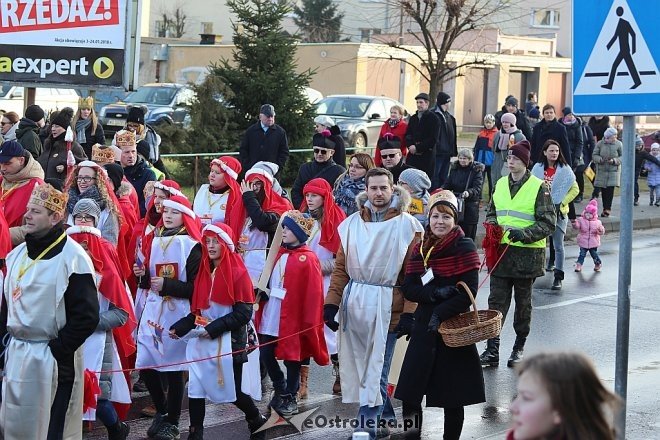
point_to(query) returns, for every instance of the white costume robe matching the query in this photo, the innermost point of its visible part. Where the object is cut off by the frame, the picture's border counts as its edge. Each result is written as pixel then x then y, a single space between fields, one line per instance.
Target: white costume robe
pixel 141 294
pixel 34 319
pixel 253 248
pixel 323 254
pixel 155 347
pixel 375 252
pixel 210 207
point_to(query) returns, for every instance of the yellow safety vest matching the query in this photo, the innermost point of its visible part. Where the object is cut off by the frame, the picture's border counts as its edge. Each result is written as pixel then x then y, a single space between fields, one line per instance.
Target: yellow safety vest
pixel 517 212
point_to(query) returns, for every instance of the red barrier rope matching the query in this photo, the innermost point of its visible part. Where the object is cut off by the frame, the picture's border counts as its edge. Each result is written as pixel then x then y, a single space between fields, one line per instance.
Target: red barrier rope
pixel 494 266
pixel 173 364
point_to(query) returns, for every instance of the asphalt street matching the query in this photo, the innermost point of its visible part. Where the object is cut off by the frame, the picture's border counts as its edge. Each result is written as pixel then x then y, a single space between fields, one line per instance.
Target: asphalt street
pixel 582 316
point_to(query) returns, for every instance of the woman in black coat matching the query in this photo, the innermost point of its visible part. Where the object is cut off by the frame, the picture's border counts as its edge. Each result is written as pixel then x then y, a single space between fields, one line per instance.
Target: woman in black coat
pixel 466 179
pixel 450 378
pixel 549 128
pixel 87 126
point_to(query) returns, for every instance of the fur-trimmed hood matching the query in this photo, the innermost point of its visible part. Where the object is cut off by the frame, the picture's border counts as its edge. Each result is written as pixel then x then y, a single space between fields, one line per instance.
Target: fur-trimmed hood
pixel 401 200
pixel 124 189
pixel 477 166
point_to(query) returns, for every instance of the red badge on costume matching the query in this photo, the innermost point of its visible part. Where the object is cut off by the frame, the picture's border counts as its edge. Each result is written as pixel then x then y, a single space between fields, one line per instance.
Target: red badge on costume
pixel 168 270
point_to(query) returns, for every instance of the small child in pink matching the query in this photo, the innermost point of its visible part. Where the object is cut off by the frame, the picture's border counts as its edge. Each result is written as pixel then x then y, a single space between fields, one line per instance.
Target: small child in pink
pixel 589 231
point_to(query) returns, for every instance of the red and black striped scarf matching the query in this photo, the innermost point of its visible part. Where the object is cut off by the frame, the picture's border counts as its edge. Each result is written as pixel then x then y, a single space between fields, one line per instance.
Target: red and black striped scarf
pixel 450 255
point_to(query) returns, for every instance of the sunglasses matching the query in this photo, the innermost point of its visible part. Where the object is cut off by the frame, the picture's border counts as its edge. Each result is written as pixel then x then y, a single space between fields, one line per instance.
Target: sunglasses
pixel 388 156
pixel 321 152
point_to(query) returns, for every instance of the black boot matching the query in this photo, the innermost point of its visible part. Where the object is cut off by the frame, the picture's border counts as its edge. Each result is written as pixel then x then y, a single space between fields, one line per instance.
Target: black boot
pixel 196 433
pixel 288 405
pixel 412 420
pixel 491 356
pixel 118 431
pixel 515 358
pixel 256 423
pixel 559 277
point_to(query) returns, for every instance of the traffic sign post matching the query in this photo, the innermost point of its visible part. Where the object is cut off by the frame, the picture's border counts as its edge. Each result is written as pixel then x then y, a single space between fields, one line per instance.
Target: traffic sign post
pixel 615 73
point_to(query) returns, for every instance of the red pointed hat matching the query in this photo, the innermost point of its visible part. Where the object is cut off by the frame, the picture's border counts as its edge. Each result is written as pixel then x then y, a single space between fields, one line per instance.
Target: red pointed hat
pixel 229 282
pixel 333 215
pixel 234 214
pixel 273 202
pixel 190 220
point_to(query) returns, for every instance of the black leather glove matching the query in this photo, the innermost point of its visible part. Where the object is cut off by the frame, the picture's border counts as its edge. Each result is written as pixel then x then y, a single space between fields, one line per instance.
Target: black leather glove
pixel 184 325
pixel 434 322
pixel 329 312
pixel 516 235
pixel 405 326
pixel 443 293
pixel 260 295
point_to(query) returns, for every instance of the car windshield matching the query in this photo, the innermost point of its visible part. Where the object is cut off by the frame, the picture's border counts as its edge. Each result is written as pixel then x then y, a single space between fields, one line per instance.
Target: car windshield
pixel 4 90
pixel 343 106
pixel 152 95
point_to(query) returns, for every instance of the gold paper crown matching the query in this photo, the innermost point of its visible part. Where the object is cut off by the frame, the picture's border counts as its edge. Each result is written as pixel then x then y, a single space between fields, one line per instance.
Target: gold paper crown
pixel 48 197
pixel 445 196
pixel 86 103
pixel 125 138
pixel 305 222
pixel 103 155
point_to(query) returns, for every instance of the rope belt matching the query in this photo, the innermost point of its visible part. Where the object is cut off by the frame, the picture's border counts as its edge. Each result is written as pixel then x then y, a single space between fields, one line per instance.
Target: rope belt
pixel 347 294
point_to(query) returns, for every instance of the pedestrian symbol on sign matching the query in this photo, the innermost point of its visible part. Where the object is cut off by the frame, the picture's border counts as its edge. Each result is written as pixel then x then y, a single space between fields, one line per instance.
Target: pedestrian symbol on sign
pixel 621 55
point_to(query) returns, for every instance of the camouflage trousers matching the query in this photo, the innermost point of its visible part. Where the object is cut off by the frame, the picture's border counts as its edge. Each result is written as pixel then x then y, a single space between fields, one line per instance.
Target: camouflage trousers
pixel 501 291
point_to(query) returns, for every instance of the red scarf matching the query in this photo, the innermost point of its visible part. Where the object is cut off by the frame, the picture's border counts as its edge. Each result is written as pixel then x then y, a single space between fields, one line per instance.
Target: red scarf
pixel 229 283
pixel 333 215
pixel 106 263
pixel 447 256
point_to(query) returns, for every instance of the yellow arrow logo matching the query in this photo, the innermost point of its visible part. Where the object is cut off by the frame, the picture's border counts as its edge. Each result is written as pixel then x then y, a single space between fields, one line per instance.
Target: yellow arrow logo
pixel 104 67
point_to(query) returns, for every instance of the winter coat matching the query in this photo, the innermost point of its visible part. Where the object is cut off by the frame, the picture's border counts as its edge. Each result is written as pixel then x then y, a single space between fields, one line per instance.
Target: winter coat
pixel 55 154
pixel 598 126
pixel 112 318
pixel 521 121
pixel 607 174
pixel 340 277
pixel 328 171
pixel 545 130
pixel 589 232
pixel 340 146
pixel 470 179
pixel 397 169
pixel 399 131
pixel 98 137
pixel 563 189
pixel 499 167
pixel 27 134
pixel 446 145
pixel 483 146
pixel 270 146
pixel 589 142
pixel 423 134
pixel 448 377
pixel 653 178
pixel 576 142
pixel 138 175
pixel 640 157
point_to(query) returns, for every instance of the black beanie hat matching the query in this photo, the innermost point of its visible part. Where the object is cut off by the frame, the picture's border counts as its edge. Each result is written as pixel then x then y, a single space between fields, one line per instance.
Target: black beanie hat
pixel 34 113
pixel 63 118
pixel 135 114
pixel 143 149
pixel 389 142
pixel 115 174
pixel 443 98
pixel 323 140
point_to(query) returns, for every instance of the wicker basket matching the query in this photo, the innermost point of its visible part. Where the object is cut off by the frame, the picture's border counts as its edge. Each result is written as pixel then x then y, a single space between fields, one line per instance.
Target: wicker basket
pixel 470 327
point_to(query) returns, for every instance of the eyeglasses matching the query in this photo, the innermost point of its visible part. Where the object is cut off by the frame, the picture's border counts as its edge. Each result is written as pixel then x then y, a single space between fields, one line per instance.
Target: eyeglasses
pixel 356 167
pixel 83 218
pixel 389 156
pixel 86 179
pixel 321 152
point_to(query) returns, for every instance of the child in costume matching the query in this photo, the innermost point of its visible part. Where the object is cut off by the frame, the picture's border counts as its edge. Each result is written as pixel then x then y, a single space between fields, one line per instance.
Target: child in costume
pixel 219 323
pixel 171 264
pixel 291 310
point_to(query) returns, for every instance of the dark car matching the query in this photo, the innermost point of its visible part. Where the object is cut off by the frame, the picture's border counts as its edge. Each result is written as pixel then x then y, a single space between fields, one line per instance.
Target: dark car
pixel 359 117
pixel 166 104
pixel 104 97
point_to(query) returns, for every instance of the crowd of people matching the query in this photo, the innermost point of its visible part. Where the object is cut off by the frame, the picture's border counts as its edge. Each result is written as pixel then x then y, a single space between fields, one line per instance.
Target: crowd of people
pixel 110 268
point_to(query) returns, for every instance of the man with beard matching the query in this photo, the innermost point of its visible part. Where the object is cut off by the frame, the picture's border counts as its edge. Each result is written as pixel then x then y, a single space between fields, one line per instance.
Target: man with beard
pixel 375 244
pixel 421 137
pixel 50 308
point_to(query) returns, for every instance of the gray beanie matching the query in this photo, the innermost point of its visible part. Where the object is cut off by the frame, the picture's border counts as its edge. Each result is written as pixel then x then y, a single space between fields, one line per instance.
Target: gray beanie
pixel 87 207
pixel 417 180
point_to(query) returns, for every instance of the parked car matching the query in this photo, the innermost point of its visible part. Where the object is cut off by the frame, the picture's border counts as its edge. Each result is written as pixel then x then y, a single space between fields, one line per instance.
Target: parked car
pixel 49 99
pixel 313 95
pixel 104 97
pixel 359 117
pixel 166 103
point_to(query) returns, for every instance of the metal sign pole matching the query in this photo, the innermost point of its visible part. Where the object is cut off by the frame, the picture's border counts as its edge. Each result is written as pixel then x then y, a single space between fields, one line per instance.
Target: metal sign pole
pixel 625 259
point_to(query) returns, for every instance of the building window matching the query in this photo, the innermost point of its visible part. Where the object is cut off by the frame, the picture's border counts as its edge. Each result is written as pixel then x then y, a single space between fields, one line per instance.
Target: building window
pixel 365 34
pixel 545 18
pixel 207 27
pixel 160 29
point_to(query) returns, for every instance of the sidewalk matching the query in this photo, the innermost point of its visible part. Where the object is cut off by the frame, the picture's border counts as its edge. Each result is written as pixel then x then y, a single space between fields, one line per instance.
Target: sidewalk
pixel 644 217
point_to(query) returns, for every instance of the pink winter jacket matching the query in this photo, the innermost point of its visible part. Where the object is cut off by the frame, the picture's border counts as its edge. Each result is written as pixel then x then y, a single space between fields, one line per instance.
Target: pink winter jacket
pixel 589 232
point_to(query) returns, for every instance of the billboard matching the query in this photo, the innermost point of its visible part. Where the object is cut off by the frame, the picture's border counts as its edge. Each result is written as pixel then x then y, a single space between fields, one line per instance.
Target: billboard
pixel 67 42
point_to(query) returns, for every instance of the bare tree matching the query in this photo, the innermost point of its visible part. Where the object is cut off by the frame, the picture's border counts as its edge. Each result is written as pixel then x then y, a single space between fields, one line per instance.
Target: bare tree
pixel 436 26
pixel 173 21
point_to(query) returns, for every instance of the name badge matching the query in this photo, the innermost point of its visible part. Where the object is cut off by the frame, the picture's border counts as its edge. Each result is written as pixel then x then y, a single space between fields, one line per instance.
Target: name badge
pixel 201 321
pixel 427 277
pixel 277 292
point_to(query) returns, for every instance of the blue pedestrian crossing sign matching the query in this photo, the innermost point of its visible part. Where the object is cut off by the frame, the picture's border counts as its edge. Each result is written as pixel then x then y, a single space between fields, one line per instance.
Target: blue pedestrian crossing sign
pixel 616 53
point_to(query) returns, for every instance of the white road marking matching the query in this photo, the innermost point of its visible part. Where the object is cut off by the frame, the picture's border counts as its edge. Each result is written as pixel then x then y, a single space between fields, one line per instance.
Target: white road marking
pixel 577 300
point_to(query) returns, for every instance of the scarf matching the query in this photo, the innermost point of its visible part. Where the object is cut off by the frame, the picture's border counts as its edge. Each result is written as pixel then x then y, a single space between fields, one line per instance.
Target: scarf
pixel 561 181
pixel 332 214
pixel 346 191
pixel 503 141
pixel 448 256
pixel 31 170
pixel 81 127
pixel 90 193
pixel 393 122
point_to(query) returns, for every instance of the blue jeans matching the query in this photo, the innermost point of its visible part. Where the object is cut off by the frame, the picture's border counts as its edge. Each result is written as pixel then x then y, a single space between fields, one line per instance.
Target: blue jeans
pixel 593 252
pixel 106 412
pixel 558 242
pixel 441 171
pixel 384 411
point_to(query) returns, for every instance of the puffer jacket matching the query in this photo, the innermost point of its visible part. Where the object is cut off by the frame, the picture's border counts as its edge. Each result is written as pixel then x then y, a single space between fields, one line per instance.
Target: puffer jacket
pixel 653 178
pixel 589 231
